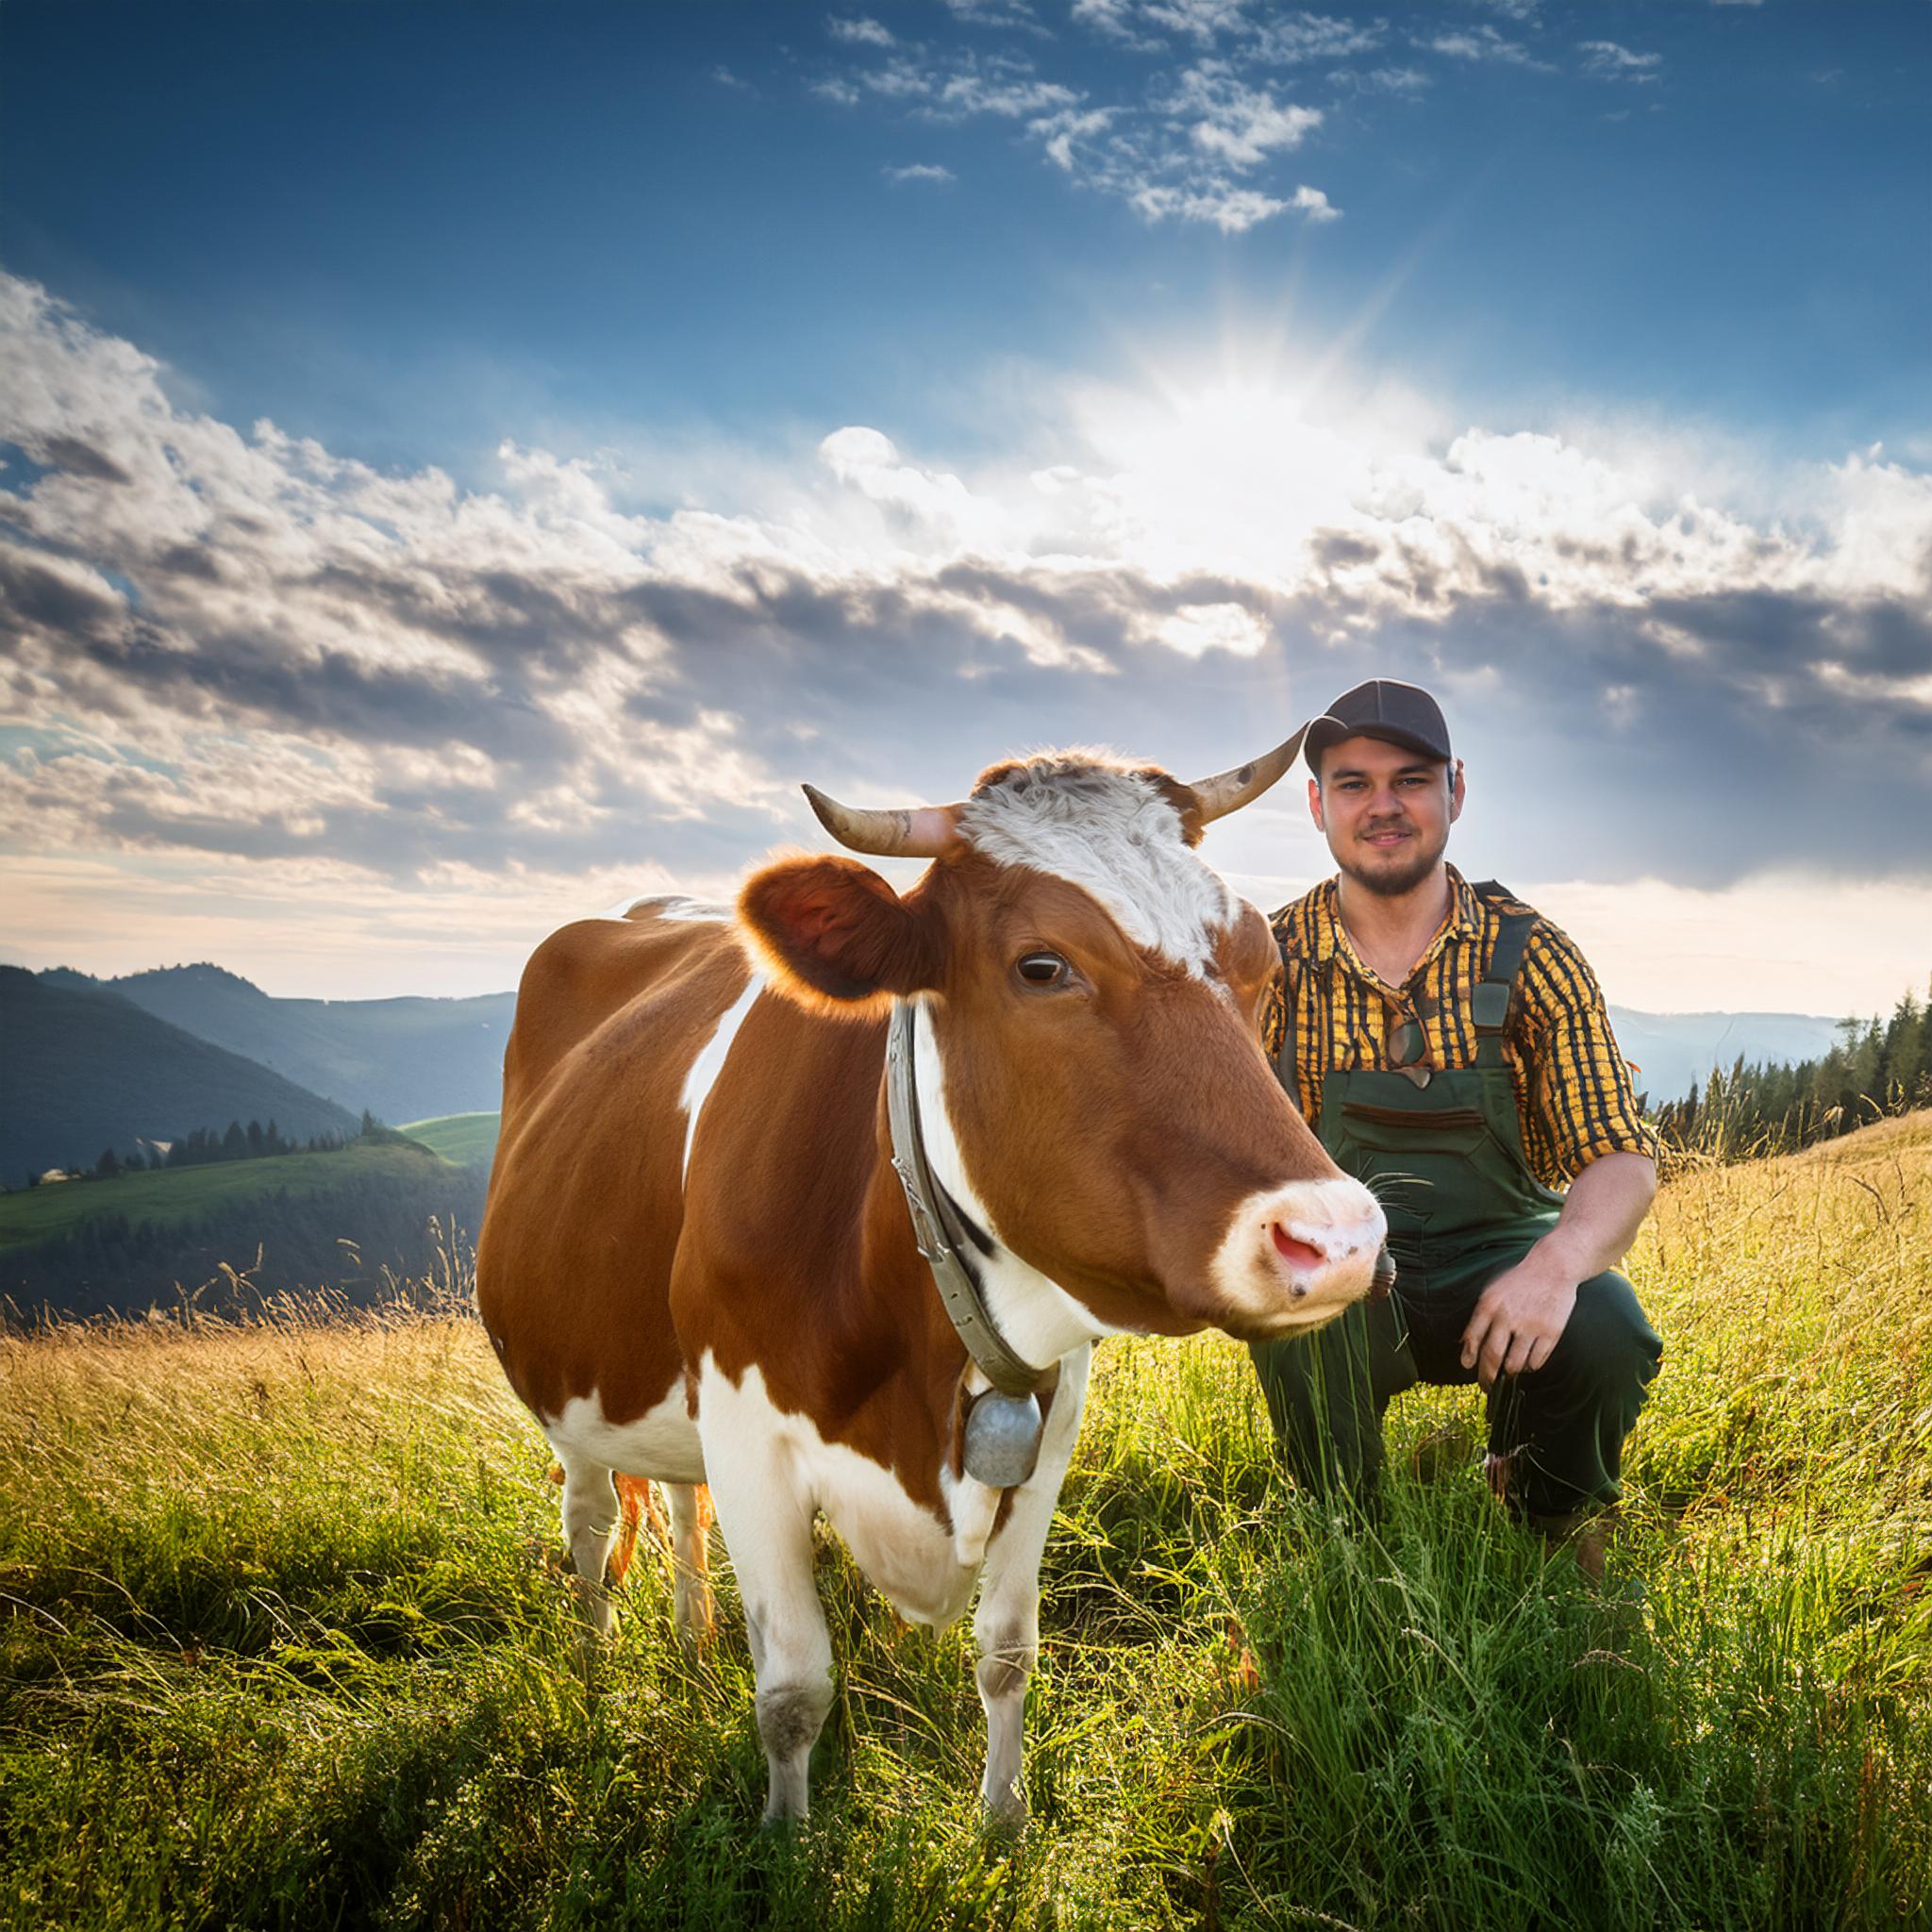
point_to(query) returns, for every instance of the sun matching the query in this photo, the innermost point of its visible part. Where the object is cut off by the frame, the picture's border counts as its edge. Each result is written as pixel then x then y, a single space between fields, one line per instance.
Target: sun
pixel 1227 470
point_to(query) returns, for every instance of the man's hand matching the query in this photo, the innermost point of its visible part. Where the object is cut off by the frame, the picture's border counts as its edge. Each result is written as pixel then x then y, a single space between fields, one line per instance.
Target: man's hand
pixel 1519 1319
pixel 1522 1313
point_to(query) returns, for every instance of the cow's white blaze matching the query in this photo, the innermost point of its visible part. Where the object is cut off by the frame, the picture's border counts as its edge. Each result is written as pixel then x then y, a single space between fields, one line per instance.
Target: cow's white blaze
pixel 710 1063
pixel 1039 1320
pixel 1114 835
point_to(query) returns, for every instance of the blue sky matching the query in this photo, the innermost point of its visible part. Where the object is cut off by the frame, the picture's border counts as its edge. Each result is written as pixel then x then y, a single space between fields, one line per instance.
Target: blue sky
pixel 440 404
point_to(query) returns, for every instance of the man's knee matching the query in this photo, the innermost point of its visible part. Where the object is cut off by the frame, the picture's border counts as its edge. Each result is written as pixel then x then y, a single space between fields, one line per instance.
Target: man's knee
pixel 1607 1341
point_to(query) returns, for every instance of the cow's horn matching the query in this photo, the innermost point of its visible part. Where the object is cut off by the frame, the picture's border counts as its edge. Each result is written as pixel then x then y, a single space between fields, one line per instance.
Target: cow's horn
pixel 923 831
pixel 1229 791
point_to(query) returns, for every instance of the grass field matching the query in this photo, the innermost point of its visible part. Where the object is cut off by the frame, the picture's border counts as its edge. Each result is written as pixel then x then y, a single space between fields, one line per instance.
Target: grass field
pixel 185 1193
pixel 466 1139
pixel 286 1645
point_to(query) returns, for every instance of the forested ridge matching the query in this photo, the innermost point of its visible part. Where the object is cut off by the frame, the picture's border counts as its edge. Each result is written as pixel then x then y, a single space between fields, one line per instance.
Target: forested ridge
pixel 354 1218
pixel 1877 1066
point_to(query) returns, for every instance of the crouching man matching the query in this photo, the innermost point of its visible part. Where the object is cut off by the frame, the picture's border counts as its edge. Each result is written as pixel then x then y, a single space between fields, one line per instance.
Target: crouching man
pixel 1452 1050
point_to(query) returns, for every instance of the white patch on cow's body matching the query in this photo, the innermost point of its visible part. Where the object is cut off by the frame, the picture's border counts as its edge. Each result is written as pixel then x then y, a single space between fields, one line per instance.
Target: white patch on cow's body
pixel 662 1442
pixel 710 1063
pixel 674 907
pixel 905 1549
pixel 1039 1319
pixel 1113 834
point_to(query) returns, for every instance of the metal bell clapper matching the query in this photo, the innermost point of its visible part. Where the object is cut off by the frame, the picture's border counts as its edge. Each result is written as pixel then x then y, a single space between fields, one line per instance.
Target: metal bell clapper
pixel 1001 1442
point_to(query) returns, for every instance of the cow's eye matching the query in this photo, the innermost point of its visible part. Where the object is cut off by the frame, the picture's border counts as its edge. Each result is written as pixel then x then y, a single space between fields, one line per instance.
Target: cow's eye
pixel 1044 969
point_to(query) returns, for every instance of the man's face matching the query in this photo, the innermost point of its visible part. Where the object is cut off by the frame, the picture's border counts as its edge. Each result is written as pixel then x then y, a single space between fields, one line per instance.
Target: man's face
pixel 1386 810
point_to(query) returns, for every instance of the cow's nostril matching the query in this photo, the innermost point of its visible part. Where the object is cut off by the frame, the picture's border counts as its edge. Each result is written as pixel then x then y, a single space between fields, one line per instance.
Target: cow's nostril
pixel 1298 1253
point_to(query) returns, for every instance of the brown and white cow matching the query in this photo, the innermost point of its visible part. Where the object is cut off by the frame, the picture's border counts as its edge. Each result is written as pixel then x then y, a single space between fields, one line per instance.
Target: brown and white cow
pixel 698 1264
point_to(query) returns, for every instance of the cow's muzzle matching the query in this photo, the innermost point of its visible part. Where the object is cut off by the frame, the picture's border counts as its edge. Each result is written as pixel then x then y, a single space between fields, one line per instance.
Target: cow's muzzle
pixel 1294 1257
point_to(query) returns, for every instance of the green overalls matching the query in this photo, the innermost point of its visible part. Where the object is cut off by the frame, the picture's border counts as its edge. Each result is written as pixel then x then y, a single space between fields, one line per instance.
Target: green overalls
pixel 1445 1160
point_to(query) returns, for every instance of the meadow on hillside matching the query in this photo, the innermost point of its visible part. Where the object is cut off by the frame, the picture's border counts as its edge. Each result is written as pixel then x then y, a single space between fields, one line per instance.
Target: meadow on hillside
pixel 285 1645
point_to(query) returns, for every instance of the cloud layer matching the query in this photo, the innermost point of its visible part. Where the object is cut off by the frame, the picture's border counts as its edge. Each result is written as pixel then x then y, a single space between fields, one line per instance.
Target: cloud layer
pixel 241 647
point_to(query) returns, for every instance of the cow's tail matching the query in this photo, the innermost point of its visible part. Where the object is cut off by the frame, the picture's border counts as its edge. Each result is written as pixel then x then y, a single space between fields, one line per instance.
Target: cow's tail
pixel 638 1499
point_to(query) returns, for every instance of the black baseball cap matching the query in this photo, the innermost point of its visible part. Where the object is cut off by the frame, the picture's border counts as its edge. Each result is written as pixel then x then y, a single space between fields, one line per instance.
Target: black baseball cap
pixel 1398 713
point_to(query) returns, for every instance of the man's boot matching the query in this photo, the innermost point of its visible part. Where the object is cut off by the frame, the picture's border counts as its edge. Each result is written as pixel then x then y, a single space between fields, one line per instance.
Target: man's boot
pixel 1586 1533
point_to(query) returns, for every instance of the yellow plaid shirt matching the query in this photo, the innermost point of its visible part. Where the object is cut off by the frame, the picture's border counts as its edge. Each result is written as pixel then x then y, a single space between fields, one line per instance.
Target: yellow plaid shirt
pixel 1574 1095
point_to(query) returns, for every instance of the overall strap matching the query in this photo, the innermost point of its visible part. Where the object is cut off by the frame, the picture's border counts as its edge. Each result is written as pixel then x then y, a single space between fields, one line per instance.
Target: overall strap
pixel 1495 995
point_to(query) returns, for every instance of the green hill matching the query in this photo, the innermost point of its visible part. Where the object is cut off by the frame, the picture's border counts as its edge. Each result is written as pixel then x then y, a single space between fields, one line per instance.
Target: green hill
pixel 402 1058
pixel 81 1070
pixel 469 1139
pixel 353 1221
pixel 186 1193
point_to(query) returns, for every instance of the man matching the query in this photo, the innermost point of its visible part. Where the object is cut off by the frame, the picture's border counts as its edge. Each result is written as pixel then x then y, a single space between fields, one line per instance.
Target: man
pixel 1452 1050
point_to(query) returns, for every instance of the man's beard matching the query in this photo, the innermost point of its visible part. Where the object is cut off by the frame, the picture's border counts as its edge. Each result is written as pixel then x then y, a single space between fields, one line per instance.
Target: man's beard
pixel 1406 878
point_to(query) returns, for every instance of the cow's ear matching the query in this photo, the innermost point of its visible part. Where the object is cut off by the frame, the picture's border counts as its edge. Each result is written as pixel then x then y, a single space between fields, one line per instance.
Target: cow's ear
pixel 835 936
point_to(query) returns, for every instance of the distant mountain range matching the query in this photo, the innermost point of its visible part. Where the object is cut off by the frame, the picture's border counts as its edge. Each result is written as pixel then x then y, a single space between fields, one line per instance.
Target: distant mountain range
pixel 404 1059
pixel 90 1063
pixel 1671 1050
pixel 82 1071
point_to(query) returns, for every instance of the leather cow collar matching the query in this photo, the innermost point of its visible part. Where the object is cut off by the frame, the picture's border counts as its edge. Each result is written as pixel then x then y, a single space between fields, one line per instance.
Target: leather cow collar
pixel 1003 1422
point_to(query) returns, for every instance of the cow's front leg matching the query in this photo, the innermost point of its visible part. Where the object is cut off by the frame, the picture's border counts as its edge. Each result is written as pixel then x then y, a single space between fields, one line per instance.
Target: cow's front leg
pixel 767 1524
pixel 1006 1623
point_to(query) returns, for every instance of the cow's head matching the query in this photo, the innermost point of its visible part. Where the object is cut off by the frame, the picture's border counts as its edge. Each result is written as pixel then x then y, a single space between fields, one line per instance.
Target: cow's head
pixel 1092 1079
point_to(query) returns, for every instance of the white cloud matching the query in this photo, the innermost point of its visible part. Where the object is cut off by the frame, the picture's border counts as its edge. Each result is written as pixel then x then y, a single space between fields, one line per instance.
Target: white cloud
pixel 1267 34
pixel 1010 95
pixel 1606 61
pixel 859 32
pixel 1009 14
pixel 1233 210
pixel 1176 154
pixel 1113 20
pixel 1198 20
pixel 1402 81
pixel 1481 44
pixel 1288 39
pixel 1239 125
pixel 920 171
pixel 899 79
pixel 1061 133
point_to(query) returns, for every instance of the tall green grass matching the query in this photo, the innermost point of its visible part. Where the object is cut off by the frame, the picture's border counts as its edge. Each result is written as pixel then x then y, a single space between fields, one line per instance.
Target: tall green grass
pixel 285 1644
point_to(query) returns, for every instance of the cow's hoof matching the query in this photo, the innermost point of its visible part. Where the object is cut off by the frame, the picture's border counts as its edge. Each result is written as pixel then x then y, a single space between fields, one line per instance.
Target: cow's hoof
pixel 1004 1813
